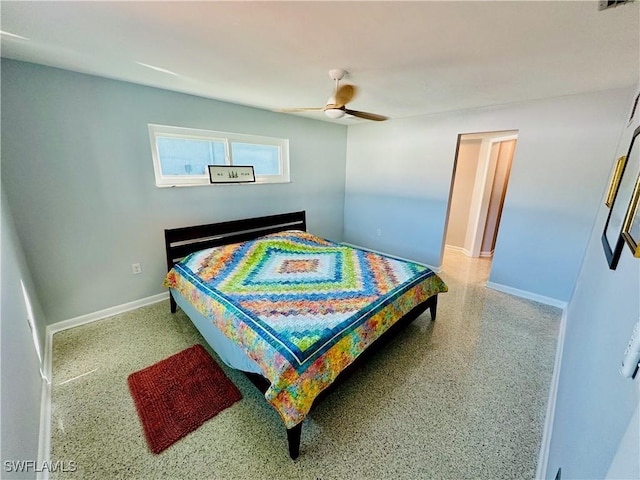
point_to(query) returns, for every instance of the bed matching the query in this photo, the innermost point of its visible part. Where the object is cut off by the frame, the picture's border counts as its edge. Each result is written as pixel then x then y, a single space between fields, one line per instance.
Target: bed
pixel 295 312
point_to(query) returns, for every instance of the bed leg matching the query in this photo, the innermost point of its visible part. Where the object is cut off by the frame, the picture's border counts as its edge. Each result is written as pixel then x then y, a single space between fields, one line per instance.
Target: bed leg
pixel 293 437
pixel 433 307
pixel 174 305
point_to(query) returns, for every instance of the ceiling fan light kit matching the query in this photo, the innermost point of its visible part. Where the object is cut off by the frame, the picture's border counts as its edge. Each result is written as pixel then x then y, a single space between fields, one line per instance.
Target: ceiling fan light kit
pixel 335 107
pixel 334 112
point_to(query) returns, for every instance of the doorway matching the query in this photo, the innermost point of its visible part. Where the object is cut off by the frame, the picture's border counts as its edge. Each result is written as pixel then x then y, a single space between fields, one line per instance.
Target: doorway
pixel 478 189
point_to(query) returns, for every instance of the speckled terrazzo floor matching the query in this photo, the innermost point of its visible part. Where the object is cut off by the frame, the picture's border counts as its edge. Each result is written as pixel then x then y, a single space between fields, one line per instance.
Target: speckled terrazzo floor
pixel 464 397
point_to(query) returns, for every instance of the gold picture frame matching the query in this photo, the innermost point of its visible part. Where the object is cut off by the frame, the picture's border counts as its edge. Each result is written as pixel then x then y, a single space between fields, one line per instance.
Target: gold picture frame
pixel 615 180
pixel 631 225
pixel 626 190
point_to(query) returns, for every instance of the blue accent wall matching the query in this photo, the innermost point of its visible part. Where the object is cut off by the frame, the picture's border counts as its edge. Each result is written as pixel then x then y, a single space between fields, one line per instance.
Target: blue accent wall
pixel 21 381
pixel 399 175
pixel 595 405
pixel 78 174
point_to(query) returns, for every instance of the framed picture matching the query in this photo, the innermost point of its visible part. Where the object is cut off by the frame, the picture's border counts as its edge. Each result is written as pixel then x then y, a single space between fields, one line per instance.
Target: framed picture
pixel 621 202
pixel 615 180
pixel 231 174
pixel 631 226
pixel 634 108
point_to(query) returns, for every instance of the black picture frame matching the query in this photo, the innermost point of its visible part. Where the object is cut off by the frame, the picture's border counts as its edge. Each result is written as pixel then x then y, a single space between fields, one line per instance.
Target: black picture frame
pixel 612 238
pixel 220 174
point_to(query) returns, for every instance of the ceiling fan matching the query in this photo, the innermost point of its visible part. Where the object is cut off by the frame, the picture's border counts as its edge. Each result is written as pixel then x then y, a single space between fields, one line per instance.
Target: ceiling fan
pixel 336 105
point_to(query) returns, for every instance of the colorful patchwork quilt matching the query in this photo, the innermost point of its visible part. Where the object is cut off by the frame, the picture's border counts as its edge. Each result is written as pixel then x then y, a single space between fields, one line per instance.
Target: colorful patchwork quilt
pixel 303 308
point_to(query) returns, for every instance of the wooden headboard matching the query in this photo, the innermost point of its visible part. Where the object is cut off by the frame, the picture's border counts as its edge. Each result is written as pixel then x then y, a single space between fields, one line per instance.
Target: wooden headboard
pixel 180 242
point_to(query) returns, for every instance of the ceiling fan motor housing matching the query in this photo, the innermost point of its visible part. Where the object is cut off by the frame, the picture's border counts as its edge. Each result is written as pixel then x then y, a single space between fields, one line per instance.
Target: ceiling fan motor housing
pixel 337 73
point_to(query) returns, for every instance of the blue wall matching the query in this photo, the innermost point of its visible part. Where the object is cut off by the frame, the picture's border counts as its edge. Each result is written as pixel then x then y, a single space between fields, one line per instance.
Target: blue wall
pixel 21 381
pixel 399 175
pixel 77 170
pixel 595 405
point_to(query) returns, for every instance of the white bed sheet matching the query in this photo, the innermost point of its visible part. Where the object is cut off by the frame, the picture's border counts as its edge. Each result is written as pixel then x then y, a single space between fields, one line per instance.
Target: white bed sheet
pixel 229 352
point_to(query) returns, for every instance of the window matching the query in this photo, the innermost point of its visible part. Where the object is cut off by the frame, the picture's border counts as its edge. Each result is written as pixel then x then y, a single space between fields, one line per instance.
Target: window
pixel 181 155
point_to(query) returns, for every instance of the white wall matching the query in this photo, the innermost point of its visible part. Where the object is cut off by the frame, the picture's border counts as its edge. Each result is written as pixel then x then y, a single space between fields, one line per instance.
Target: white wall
pixel 595 406
pixel 77 167
pixel 462 196
pixel 399 176
pixel 20 386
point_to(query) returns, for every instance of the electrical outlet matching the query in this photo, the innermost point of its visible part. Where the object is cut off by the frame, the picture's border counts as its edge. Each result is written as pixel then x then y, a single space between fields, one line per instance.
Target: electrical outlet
pixel 136 268
pixel 379 232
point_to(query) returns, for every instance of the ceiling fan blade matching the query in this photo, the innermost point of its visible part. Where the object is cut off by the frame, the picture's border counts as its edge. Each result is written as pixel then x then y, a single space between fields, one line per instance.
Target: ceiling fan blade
pixel 345 94
pixel 368 116
pixel 310 109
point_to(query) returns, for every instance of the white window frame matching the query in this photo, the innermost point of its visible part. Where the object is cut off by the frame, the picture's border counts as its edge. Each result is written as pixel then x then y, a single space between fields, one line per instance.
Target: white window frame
pixel 227 138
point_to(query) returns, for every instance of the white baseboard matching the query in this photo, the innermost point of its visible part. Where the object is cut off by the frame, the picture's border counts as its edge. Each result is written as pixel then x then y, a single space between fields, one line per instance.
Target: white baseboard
pixel 92 317
pixel 44 438
pixel 462 250
pixel 44 442
pixel 543 455
pixel 554 302
pixel 468 253
pixel 107 312
pixel 454 248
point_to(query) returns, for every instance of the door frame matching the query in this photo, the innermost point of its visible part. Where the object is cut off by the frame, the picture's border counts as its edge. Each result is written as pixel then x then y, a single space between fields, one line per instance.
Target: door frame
pixel 481 196
pixel 480 199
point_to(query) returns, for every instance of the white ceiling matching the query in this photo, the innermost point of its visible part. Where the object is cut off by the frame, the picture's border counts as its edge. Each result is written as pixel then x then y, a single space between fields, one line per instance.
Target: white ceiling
pixel 408 58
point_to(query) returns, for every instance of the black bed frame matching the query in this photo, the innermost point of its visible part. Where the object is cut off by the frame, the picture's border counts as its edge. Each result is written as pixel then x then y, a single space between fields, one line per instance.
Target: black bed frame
pixel 180 242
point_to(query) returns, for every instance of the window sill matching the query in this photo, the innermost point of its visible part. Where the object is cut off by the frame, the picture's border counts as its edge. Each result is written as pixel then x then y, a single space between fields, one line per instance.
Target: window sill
pixel 223 184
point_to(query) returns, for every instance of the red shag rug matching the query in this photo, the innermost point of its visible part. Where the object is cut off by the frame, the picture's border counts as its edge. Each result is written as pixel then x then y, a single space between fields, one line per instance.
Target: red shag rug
pixel 178 394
